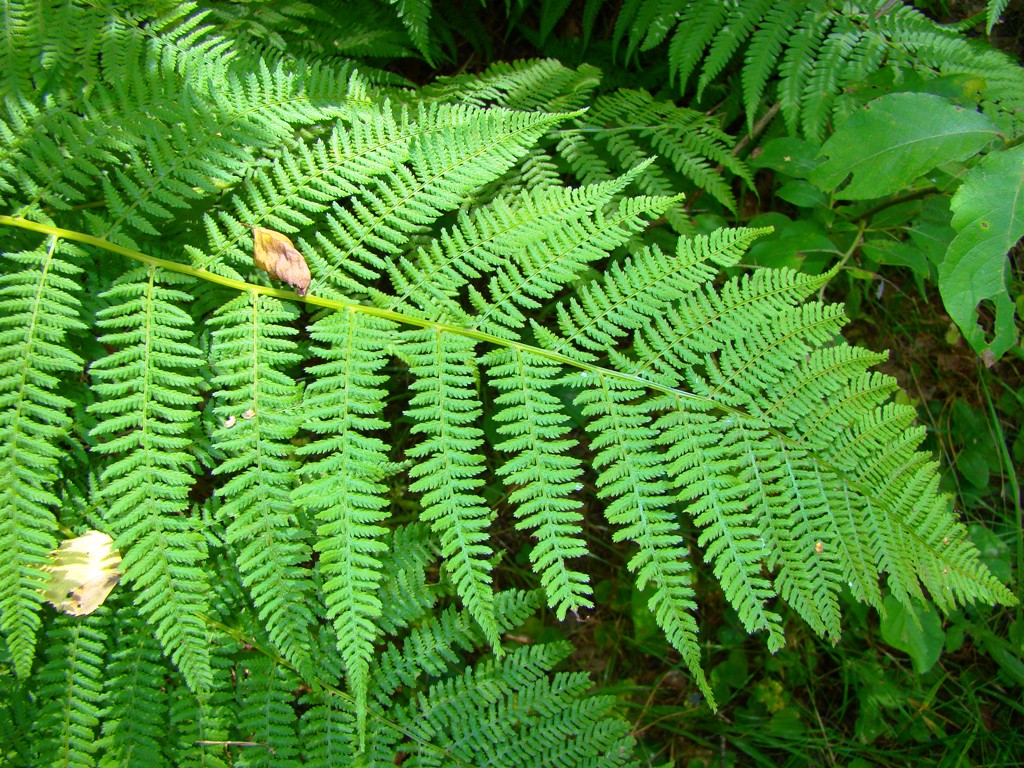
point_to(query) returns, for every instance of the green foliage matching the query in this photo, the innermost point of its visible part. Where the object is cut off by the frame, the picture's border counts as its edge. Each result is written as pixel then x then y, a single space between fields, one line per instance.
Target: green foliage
pixel 252 349
pixel 499 328
pixel 810 55
pixel 894 140
pixel 685 149
pixel 986 216
pixel 897 139
pixel 38 307
pixel 145 407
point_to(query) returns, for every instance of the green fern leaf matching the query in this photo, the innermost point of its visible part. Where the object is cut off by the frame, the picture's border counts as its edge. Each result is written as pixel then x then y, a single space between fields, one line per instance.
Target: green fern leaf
pixel 327 730
pixel 511 689
pixel 529 85
pixel 343 484
pixel 146 396
pixel 411 551
pixel 38 309
pixel 697 27
pixel 455 151
pixel 432 646
pixel 543 472
pixel 995 10
pixel 641 287
pixel 70 694
pixel 300 186
pixel 542 270
pixel 618 132
pixel 136 698
pixel 199 726
pixel 631 478
pixel 266 714
pixel 482 241
pixel 449 465
pixel 258 411
pixel 415 16
pixel 818 50
pixel 798 63
pixel 762 55
pixel 743 19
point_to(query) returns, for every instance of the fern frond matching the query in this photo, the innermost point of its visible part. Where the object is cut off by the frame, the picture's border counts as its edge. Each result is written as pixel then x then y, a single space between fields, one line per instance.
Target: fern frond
pixel 457 150
pixel 701 21
pixel 798 63
pixel 638 289
pixel 46 47
pixel 721 417
pixel 217 146
pixel 266 715
pixel 327 726
pixel 632 478
pixel 39 307
pixel 327 730
pixel 542 269
pixel 762 56
pixel 342 483
pixel 543 472
pixel 432 647
pixel 483 241
pixel 528 85
pixel 447 473
pixel 257 406
pixel 511 713
pixel 136 698
pixel 819 97
pixel 70 695
pixel 692 147
pixel 300 186
pixel 147 391
pixel 994 11
pixel 743 21
pixel 199 725
pixel 619 130
pixel 527 716
pixel 186 144
pixel 415 16
pixel 816 48
pixel 411 550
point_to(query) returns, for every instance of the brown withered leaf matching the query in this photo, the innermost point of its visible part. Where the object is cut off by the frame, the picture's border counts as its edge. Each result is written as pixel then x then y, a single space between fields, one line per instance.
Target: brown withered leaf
pixel 276 254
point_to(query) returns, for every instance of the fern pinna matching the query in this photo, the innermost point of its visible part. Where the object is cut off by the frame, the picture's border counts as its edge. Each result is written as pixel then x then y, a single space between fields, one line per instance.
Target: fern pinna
pixel 253 453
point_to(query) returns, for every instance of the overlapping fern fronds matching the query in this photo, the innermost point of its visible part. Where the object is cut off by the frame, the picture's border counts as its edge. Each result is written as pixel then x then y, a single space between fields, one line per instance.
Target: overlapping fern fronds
pixel 251 454
pixel 681 149
pixel 816 49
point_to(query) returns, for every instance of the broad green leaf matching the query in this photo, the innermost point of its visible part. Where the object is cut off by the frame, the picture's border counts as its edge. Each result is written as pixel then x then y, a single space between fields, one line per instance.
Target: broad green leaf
pixel 988 215
pixel 786 154
pixel 894 140
pixel 801 194
pixel 896 254
pixel 916 632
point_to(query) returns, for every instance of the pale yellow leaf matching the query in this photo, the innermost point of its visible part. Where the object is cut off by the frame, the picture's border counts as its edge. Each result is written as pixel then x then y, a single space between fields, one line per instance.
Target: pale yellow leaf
pixel 83 572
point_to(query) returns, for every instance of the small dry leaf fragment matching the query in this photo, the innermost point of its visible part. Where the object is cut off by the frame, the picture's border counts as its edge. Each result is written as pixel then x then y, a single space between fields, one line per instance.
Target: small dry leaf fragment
pixel 83 571
pixel 819 547
pixel 249 414
pixel 276 254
